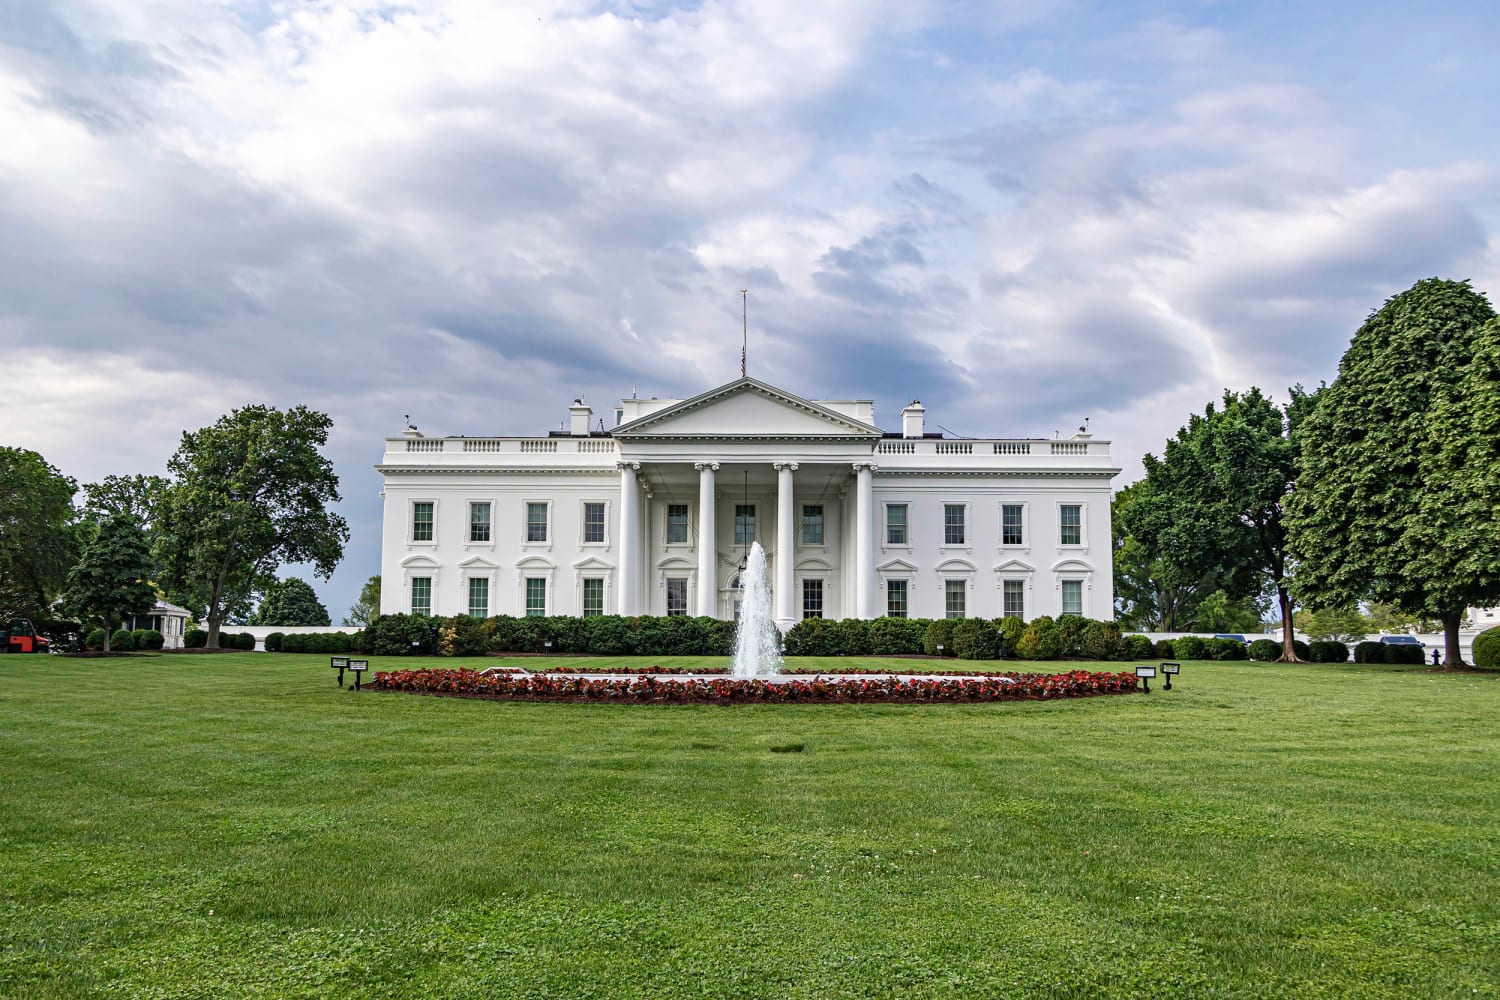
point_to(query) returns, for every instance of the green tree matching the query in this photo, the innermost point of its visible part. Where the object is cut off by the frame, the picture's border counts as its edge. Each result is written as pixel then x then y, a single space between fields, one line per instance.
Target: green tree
pixel 247 494
pixel 1152 591
pixel 111 579
pixel 1339 625
pixel 38 537
pixel 367 610
pixel 1384 508
pixel 137 497
pixel 1387 616
pixel 1218 612
pixel 290 602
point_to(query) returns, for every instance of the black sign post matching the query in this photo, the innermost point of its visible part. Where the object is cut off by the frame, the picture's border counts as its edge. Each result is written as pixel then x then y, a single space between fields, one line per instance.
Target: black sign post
pixel 1145 674
pixel 1170 670
pixel 358 667
pixel 339 663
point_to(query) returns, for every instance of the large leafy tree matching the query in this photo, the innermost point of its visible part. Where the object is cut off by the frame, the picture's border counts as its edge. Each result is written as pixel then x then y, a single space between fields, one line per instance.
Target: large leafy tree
pixel 1389 503
pixel 246 495
pixel 1153 592
pixel 38 538
pixel 111 579
pixel 290 602
pixel 368 609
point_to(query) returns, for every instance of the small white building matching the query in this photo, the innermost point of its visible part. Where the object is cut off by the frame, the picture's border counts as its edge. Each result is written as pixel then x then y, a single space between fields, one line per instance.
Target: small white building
pixel 656 515
pixel 168 619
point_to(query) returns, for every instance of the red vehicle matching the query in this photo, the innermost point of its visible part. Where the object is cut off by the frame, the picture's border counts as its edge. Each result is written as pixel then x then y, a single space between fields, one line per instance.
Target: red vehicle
pixel 20 637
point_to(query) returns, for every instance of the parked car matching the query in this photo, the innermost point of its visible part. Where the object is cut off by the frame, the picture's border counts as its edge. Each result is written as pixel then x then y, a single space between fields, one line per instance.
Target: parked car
pixel 1231 635
pixel 1403 640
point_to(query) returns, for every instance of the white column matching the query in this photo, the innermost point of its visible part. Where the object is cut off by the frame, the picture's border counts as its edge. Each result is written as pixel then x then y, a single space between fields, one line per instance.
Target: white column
pixel 864 540
pixel 708 567
pixel 785 525
pixel 630 537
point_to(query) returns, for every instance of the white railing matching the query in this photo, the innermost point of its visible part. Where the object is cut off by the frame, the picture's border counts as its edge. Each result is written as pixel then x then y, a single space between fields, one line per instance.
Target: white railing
pixel 424 444
pixel 483 444
pixel 1012 447
pixel 955 447
pixel 1070 447
pixel 538 446
pixel 896 448
pixel 595 446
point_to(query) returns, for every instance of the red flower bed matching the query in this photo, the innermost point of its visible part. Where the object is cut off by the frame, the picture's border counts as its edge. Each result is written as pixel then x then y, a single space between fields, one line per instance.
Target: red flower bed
pixel 468 683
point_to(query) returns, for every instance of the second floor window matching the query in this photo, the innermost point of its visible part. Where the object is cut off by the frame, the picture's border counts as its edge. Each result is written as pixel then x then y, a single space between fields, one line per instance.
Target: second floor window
pixel 1072 524
pixel 953 524
pixel 479 522
pixel 812 525
pixel 536 522
pixel 744 523
pixel 895 524
pixel 677 522
pixel 421 522
pixel 1010 525
pixel 593 522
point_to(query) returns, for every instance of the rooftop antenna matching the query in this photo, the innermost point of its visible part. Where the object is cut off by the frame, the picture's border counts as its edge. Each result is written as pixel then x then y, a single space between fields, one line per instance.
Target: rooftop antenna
pixel 744 328
pixel 632 392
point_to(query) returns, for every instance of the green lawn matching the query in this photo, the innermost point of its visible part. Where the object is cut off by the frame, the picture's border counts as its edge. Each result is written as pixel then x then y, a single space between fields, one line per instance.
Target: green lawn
pixel 238 826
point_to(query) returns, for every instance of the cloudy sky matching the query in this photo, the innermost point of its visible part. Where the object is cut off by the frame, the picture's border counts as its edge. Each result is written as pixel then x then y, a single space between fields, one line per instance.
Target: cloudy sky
pixel 472 211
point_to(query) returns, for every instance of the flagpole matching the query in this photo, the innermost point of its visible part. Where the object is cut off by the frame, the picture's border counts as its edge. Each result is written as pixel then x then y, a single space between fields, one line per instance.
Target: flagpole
pixel 744 326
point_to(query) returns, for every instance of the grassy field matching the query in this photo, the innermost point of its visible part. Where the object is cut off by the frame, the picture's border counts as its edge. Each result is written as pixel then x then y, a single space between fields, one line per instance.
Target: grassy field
pixel 238 826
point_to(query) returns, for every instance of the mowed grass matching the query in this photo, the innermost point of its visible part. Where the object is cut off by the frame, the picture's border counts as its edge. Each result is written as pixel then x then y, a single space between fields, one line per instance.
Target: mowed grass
pixel 238 826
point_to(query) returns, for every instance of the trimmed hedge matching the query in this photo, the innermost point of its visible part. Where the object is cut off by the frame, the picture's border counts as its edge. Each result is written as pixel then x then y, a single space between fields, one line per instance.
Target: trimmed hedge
pixel 1265 650
pixel 897 636
pixel 1163 649
pixel 976 639
pixel 1487 648
pixel 1100 640
pixel 274 641
pixel 1328 651
pixel 1190 647
pixel 1410 655
pixel 317 642
pixel 121 641
pixel 939 633
pixel 148 638
pixel 1369 652
pixel 196 638
pixel 94 640
pixel 1138 647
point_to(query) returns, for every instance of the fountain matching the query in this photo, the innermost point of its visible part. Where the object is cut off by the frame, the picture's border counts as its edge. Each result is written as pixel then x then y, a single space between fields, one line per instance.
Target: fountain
pixel 757 642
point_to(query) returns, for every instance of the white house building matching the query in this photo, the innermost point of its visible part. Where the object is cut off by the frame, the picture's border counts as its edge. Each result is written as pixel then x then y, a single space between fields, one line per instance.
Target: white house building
pixel 656 515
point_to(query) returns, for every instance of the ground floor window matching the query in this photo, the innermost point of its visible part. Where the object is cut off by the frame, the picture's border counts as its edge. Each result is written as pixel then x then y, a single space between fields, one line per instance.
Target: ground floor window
pixel 536 596
pixel 479 597
pixel 676 596
pixel 593 597
pixel 895 598
pixel 421 595
pixel 812 598
pixel 1072 597
pixel 1015 599
pixel 955 594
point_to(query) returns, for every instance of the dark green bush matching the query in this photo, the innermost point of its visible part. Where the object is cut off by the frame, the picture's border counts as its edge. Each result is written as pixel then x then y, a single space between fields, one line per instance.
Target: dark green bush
pixel 1099 640
pixel 1369 652
pixel 812 637
pixel 1136 647
pixel 939 633
pixel 975 639
pixel 1327 651
pixel 242 640
pixel 1190 647
pixel 149 638
pixel 603 635
pixel 1404 654
pixel 274 641
pixel 1049 645
pixel 1303 651
pixel 462 635
pixel 1011 630
pixel 1487 648
pixel 1226 649
pixel 195 638
pixel 121 641
pixel 1070 629
pixel 296 642
pixel 1265 650
pixel 1164 650
pixel 718 636
pixel 94 640
pixel 896 636
pixel 853 636
pixel 393 635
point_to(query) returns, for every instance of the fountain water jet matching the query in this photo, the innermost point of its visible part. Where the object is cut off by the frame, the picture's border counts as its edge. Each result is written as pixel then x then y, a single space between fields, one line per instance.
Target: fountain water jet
pixel 757 642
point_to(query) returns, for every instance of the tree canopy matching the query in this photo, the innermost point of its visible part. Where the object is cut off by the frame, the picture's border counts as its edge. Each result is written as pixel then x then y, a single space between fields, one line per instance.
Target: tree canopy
pixel 290 602
pixel 111 579
pixel 1387 506
pixel 368 608
pixel 38 541
pixel 246 495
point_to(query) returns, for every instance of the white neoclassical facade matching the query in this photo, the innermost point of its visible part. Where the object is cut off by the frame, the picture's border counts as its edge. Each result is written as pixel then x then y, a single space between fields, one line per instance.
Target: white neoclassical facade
pixel 656 515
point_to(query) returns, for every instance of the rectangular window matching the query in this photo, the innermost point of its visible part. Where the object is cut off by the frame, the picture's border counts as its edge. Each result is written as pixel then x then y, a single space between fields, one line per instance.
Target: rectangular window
pixel 677 522
pixel 812 525
pixel 479 597
pixel 1072 595
pixel 744 523
pixel 955 593
pixel 953 525
pixel 1015 599
pixel 536 522
pixel 676 596
pixel 895 598
pixel 593 523
pixel 421 595
pixel 895 524
pixel 593 597
pixel 812 598
pixel 536 596
pixel 1072 524
pixel 1010 525
pixel 479 522
pixel 421 522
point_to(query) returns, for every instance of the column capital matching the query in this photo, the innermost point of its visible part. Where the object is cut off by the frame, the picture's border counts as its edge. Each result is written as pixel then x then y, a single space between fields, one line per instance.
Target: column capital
pixel 711 466
pixel 862 466
pixel 781 466
pixel 632 466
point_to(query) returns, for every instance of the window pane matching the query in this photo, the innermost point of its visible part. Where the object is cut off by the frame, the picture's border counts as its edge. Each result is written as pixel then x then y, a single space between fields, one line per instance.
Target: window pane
pixel 895 598
pixel 677 522
pixel 1072 524
pixel 593 522
pixel 955 591
pixel 744 523
pixel 536 522
pixel 479 522
pixel 677 596
pixel 812 525
pixel 1010 524
pixel 593 597
pixel 812 598
pixel 1015 599
pixel 895 524
pixel 953 524
pixel 1072 597
pixel 421 522
pixel 421 595
pixel 536 596
pixel 479 597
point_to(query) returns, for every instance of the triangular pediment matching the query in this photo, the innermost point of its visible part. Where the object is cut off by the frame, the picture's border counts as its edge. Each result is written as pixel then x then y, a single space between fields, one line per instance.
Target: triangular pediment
pixel 747 408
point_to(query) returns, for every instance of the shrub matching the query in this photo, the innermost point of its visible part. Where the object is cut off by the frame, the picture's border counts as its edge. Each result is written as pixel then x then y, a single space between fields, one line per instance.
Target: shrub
pixel 1265 650
pixel 242 640
pixel 1303 651
pixel 1049 645
pixel 939 633
pixel 195 638
pixel 811 637
pixel 149 638
pixel 853 636
pixel 1099 640
pixel 461 636
pixel 1404 654
pixel 121 641
pixel 718 636
pixel 393 635
pixel 1487 648
pixel 1070 629
pixel 1164 650
pixel 1136 647
pixel 975 639
pixel 1369 652
pixel 1190 647
pixel 1328 651
pixel 94 640
pixel 896 636
pixel 1011 630
pixel 294 643
pixel 603 635
pixel 1226 649
pixel 274 641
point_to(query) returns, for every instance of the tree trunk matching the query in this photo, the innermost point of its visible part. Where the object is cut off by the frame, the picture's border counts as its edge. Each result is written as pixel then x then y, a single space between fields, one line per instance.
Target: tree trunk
pixel 1451 621
pixel 1288 647
pixel 212 642
pixel 106 636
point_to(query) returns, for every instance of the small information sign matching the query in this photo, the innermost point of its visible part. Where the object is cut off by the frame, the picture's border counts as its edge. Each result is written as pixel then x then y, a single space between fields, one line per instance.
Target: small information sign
pixel 339 663
pixel 1145 674
pixel 1170 670
pixel 359 667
